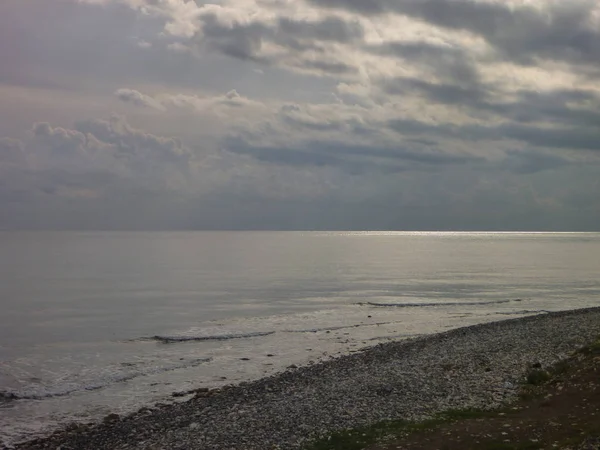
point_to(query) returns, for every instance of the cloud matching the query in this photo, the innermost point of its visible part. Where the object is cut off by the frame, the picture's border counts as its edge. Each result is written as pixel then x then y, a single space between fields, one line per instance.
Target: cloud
pixel 566 107
pixel 340 137
pixel 11 151
pixel 527 162
pixel 446 61
pixel 60 142
pixel 223 104
pixel 354 159
pixel 472 96
pixel 134 145
pixel 300 44
pixel 110 147
pixel 138 99
pixel 108 174
pixel 319 113
pixel 574 137
pixel 519 31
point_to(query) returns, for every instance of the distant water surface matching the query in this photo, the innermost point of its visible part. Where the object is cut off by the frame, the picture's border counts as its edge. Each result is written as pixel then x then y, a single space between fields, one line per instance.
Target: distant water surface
pixel 94 323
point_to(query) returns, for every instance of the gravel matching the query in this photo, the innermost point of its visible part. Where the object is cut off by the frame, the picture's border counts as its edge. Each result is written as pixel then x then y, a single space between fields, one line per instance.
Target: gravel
pixel 474 367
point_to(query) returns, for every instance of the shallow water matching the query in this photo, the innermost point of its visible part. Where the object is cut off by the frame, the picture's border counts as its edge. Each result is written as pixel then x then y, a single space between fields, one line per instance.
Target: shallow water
pixel 94 323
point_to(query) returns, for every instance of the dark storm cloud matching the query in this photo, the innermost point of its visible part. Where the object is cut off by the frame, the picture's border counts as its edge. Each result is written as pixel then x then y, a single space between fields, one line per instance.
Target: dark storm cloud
pixel 555 31
pixel 461 14
pixel 568 137
pixel 562 106
pixel 421 118
pixel 574 137
pixel 474 96
pixel 331 28
pixel 436 158
pixel 278 155
pixel 245 41
pixel 422 156
pixel 241 41
pixel 352 158
pixel 329 67
pixel 369 7
pixel 447 62
pixel 572 107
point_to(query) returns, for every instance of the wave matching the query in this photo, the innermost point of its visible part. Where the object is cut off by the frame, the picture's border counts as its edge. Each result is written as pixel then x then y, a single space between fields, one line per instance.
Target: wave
pixel 517 313
pixel 393 337
pixel 7 396
pixel 217 337
pixel 228 336
pixel 341 327
pixel 422 305
pixel 41 394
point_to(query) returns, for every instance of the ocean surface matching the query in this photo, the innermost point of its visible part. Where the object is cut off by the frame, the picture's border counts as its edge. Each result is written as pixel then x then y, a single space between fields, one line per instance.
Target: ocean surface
pixel 95 323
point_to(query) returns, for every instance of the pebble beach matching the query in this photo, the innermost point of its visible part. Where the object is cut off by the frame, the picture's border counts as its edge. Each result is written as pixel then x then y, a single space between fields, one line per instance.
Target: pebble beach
pixel 479 366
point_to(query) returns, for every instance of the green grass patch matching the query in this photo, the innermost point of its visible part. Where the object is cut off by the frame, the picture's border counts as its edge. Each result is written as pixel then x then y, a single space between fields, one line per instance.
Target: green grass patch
pixel 512 446
pixel 529 392
pixel 465 414
pixel 537 377
pixel 560 367
pixel 359 438
pixel 592 349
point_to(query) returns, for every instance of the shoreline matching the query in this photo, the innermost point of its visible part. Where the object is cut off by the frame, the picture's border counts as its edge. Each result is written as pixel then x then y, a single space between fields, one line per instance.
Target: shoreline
pixel 479 366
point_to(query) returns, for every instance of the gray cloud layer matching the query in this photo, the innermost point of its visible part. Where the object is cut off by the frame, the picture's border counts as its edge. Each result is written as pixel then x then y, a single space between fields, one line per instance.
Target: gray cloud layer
pixel 312 114
pixel 556 31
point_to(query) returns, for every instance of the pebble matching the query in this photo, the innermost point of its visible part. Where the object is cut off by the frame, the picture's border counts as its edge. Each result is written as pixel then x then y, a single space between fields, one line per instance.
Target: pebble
pixel 406 380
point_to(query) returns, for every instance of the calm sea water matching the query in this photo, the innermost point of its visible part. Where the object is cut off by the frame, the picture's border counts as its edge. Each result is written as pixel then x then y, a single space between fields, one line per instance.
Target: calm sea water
pixel 93 323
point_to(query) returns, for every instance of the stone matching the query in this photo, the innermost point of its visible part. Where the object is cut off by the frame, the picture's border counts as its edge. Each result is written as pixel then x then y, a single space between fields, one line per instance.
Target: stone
pixel 111 418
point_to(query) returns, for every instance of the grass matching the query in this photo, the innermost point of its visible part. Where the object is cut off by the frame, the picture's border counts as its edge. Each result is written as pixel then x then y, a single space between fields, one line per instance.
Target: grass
pixel 512 446
pixel 592 349
pixel 537 377
pixel 363 437
pixel 359 438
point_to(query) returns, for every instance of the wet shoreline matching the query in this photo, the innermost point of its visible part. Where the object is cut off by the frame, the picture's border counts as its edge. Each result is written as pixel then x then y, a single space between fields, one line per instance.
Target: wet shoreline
pixel 476 366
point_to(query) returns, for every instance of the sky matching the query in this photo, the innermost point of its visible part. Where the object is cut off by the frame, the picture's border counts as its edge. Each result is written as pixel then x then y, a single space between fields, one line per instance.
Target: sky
pixel 300 114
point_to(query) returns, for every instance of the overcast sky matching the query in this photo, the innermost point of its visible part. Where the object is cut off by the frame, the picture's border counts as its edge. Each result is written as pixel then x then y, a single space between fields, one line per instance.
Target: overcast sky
pixel 300 114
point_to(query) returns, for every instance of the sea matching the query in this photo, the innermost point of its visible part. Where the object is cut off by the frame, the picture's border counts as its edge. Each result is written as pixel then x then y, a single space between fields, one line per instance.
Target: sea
pixel 93 323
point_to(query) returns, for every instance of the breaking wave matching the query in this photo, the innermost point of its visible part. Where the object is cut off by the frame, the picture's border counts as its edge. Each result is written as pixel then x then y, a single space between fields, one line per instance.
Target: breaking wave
pixel 217 337
pixel 420 305
pixel 518 313
pixel 341 327
pixel 65 390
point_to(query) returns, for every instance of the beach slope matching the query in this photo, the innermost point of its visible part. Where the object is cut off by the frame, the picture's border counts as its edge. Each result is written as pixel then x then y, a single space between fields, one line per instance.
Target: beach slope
pixel 477 367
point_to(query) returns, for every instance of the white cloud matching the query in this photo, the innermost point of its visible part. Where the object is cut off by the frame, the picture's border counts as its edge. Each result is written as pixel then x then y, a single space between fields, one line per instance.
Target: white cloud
pixel 230 104
pixel 178 47
pixel 138 99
